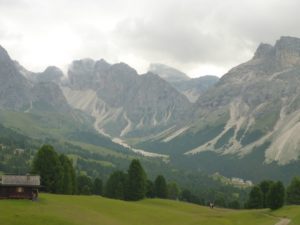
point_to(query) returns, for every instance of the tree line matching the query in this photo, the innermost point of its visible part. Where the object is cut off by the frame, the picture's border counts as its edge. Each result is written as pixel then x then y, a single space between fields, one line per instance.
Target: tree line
pixel 273 195
pixel 58 176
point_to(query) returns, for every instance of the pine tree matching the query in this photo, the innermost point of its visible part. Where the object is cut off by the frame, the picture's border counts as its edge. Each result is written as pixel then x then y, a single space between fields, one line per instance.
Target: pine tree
pixel 136 181
pixel 255 198
pixel 150 193
pixel 84 185
pixel 293 191
pixel 116 185
pixel 275 196
pixel 68 173
pixel 47 164
pixel 265 187
pixel 98 186
pixel 161 190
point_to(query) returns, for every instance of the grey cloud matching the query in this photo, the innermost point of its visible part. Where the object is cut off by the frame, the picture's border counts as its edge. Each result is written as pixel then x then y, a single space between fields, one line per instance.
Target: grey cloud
pixel 182 33
pixel 217 32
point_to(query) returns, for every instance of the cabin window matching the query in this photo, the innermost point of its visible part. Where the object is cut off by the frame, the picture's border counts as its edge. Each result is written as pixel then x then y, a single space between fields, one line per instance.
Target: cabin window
pixel 20 189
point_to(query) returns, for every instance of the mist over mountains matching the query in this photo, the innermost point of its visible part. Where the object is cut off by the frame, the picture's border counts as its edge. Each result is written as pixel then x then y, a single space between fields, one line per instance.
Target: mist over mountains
pixel 254 108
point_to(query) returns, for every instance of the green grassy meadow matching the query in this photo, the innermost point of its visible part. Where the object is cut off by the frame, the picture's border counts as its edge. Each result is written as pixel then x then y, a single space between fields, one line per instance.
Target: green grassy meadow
pixel 93 210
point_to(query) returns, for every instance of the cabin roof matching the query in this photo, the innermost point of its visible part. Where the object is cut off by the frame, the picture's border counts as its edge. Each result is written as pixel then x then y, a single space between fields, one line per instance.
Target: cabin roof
pixel 24 180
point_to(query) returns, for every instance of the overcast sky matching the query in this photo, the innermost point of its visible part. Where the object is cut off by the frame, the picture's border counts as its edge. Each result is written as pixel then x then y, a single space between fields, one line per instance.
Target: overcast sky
pixel 196 36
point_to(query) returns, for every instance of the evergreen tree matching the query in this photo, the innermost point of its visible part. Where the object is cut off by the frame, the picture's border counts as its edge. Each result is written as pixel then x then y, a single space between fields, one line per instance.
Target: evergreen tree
pixel 116 185
pixel 98 186
pixel 234 204
pixel 136 181
pixel 150 193
pixel 68 175
pixel 265 187
pixel 255 198
pixel 186 195
pixel 276 195
pixel 173 191
pixel 161 190
pixel 84 185
pixel 47 164
pixel 293 191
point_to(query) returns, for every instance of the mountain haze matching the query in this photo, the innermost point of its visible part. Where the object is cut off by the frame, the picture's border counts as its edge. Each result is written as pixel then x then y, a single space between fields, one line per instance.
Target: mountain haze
pixel 192 88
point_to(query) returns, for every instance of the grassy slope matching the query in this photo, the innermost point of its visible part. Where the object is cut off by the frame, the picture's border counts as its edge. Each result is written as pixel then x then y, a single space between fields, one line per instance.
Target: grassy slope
pixel 69 210
pixel 291 212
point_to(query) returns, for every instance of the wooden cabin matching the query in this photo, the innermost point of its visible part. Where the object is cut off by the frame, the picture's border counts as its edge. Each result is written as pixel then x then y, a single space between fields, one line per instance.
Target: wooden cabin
pixel 19 186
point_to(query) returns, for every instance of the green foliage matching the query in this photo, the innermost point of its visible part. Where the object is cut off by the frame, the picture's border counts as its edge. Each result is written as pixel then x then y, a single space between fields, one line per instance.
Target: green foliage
pixel 234 204
pixel 150 193
pixel 116 186
pixel 186 141
pixel 173 191
pixel 161 190
pixel 84 185
pixel 276 196
pixel 98 187
pixel 265 188
pixel 46 163
pixel 68 175
pixel 187 196
pixel 136 181
pixel 293 191
pixel 255 198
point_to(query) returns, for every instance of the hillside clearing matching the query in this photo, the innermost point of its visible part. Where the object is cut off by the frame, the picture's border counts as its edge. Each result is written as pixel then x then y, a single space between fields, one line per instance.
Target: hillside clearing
pixel 75 210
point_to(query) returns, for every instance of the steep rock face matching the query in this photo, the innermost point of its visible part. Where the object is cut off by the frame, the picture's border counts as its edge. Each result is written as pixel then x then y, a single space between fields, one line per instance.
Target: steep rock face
pixel 122 102
pixel 47 96
pixel 192 88
pixel 255 103
pixel 25 91
pixel 51 74
pixel 14 87
pixel 262 100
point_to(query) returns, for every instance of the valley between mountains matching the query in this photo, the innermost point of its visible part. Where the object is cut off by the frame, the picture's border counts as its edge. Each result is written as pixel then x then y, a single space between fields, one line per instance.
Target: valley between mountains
pixel 249 118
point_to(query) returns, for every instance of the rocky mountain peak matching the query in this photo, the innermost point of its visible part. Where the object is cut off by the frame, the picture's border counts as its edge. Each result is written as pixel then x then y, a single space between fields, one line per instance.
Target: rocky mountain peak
pixel 51 74
pixel 168 73
pixel 3 54
pixel 263 50
pixel 102 65
pixel 122 69
pixel 287 51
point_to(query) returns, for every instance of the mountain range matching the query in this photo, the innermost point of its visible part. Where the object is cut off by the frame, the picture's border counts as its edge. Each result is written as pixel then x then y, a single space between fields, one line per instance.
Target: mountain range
pixel 249 117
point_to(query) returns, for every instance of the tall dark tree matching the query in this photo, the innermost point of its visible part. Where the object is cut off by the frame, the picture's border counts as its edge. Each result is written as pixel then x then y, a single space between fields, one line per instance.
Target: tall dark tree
pixel 150 193
pixel 276 196
pixel 68 179
pixel 265 187
pixel 161 190
pixel 116 185
pixel 255 198
pixel 47 164
pixel 235 204
pixel 187 196
pixel 84 185
pixel 136 181
pixel 98 187
pixel 293 191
